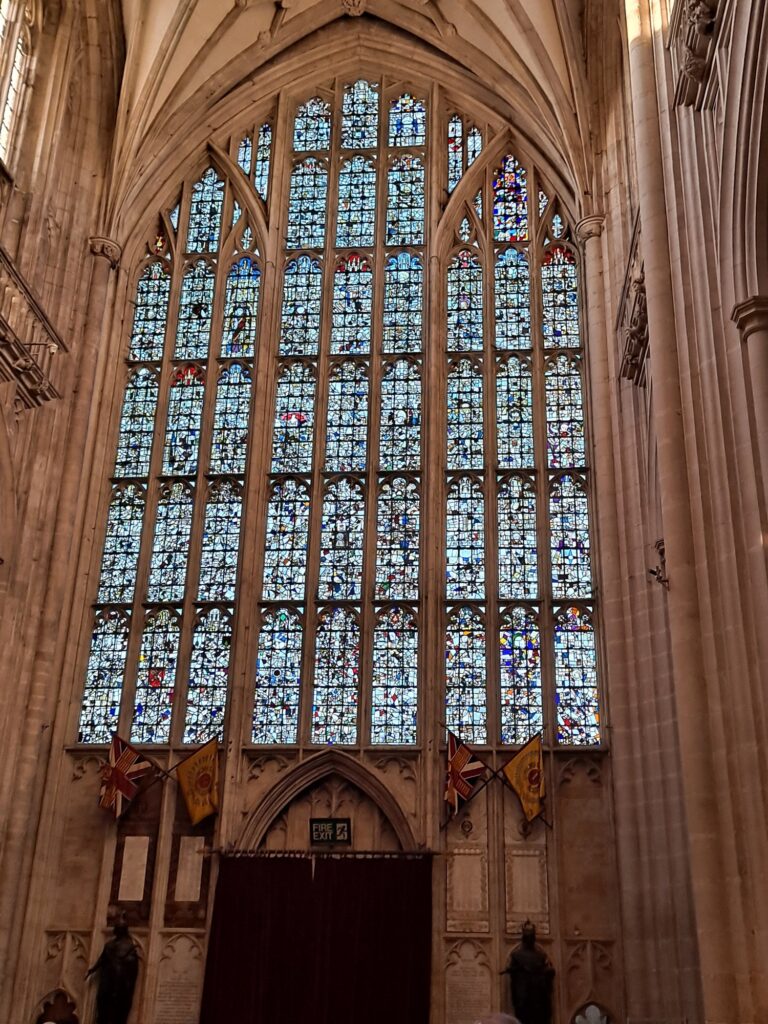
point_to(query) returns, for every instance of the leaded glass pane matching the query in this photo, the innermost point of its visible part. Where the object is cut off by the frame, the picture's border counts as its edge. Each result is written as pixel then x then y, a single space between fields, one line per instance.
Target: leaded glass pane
pixel 578 711
pixel 357 203
pixel 104 679
pixel 293 435
pixel 518 554
pixel 306 205
pixel 352 300
pixel 465 674
pixel 465 541
pixel 360 116
pixel 278 678
pixel 337 656
pixel 121 546
pixel 193 329
pixel 241 309
pixel 137 422
pixel 395 694
pixel 514 414
pixel 182 431
pixel 245 154
pixel 156 678
pixel 208 677
pixel 560 298
pixel 347 428
pixel 513 300
pixel 205 213
pixel 312 126
pixel 465 415
pixel 397 543
pixel 341 541
pixel 15 85
pixel 285 554
pixel 400 429
pixel 229 444
pixel 221 543
pixel 455 151
pixel 520 662
pixel 565 414
pixel 474 145
pixel 510 202
pixel 465 303
pixel 407 121
pixel 569 526
pixel 263 155
pixel 302 297
pixel 150 314
pixel 168 565
pixel 405 202
pixel 403 303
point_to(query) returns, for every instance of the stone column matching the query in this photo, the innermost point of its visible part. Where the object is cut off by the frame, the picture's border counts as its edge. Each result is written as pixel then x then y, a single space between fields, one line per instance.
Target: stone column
pixel 751 317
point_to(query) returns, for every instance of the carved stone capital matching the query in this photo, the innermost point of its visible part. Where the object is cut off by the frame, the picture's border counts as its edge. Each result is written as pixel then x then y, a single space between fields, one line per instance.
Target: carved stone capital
pixel 590 227
pixel 751 315
pixel 354 8
pixel 107 249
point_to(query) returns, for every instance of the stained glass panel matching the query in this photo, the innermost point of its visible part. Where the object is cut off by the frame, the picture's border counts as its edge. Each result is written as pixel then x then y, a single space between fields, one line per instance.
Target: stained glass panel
pixel 510 202
pixel 400 430
pixel 403 303
pixel 560 298
pixel 121 546
pixel 465 415
pixel 104 679
pixel 278 678
pixel 229 445
pixel 302 295
pixel 360 116
pixel 397 543
pixel 514 414
pixel 208 677
pixel 405 202
pixel 134 445
pixel 395 695
pixel 578 712
pixel 565 414
pixel 465 303
pixel 520 660
pixel 341 541
pixel 465 674
pixel 337 655
pixel 263 155
pixel 312 126
pixel 465 541
pixel 285 554
pixel 241 309
pixel 150 314
pixel 513 300
pixel 182 431
pixel 356 221
pixel 347 427
pixel 352 299
pixel 221 543
pixel 306 205
pixel 407 121
pixel 193 329
pixel 245 154
pixel 205 213
pixel 569 525
pixel 168 565
pixel 455 151
pixel 474 145
pixel 156 678
pixel 518 565
pixel 293 435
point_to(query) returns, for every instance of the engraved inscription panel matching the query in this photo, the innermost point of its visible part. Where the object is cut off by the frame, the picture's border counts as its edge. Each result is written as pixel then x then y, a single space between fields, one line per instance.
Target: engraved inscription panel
pixel 468 890
pixel 525 874
pixel 179 982
pixel 467 984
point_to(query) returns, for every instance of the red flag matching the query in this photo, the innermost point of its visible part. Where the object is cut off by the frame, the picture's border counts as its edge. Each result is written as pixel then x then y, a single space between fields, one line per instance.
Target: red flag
pixel 464 769
pixel 119 776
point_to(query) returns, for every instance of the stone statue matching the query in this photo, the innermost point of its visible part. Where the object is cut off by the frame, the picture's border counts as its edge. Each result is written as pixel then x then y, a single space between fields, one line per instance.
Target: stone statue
pixel 531 976
pixel 118 966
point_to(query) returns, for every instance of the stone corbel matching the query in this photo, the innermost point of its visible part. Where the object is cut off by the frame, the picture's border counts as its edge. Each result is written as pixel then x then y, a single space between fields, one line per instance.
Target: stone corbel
pixel 590 227
pixel 107 249
pixel 751 315
pixel 692 30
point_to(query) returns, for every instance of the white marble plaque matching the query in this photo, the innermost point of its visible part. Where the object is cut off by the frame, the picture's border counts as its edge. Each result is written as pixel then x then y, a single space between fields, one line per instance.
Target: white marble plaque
pixel 467 987
pixel 526 885
pixel 134 869
pixel 468 890
pixel 189 872
pixel 179 982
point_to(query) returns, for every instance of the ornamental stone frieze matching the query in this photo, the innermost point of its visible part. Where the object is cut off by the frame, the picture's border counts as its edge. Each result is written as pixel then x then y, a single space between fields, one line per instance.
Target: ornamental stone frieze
pixel 632 317
pixel 692 31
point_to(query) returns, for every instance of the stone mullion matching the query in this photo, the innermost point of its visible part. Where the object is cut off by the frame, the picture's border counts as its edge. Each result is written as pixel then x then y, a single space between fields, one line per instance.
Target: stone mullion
pixel 490 466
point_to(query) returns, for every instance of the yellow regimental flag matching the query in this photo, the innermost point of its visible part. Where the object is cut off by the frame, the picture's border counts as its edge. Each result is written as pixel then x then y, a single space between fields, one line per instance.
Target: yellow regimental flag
pixel 198 777
pixel 525 774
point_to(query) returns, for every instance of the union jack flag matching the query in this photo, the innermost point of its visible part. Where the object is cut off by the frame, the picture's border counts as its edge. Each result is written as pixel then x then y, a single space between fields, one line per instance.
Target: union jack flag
pixel 464 769
pixel 120 775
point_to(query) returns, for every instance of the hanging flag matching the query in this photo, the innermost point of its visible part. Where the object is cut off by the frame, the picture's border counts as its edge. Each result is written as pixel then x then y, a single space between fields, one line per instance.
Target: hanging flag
pixel 198 777
pixel 464 769
pixel 525 774
pixel 120 775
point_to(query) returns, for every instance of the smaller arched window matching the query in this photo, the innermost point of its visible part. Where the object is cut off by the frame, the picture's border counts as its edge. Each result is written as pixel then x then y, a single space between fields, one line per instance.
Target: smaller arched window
pixel 16 19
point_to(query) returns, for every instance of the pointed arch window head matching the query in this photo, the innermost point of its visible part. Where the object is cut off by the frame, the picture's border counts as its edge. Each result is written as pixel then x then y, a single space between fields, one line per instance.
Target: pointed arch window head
pixel 16 42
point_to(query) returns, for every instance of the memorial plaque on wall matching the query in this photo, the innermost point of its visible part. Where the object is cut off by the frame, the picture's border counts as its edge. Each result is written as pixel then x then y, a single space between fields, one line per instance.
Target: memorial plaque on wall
pixel 527 897
pixel 467 882
pixel 467 984
pixel 179 981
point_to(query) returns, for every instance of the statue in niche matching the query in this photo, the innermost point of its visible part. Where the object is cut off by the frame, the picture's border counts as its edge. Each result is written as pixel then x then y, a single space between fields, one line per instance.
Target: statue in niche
pixel 531 976
pixel 118 967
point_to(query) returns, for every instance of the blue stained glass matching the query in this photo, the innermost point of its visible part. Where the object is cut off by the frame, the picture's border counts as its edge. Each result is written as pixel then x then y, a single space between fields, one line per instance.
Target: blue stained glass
pixel 576 696
pixel 397 543
pixel 405 201
pixel 312 126
pixel 569 528
pixel 543 202
pixel 394 693
pixel 285 553
pixel 205 213
pixel 465 675
pixel 520 663
pixel 455 151
pixel 565 413
pixel 474 145
pixel 302 297
pixel 514 414
pixel 208 677
pixel 560 298
pixel 229 444
pixel 182 432
pixel 403 302
pixel 245 154
pixel 510 202
pixel 306 205
pixel 356 223
pixel 156 678
pixel 465 416
pixel 352 299
pixel 104 679
pixel 360 116
pixel 278 678
pixel 293 435
pixel 150 314
pixel 347 424
pixel 337 678
pixel 193 330
pixel 407 121
pixel 263 156
pixel 518 546
pixel 465 541
pixel 465 303
pixel 341 541
pixel 513 300
pixel 170 548
pixel 121 545
pixel 137 423
pixel 241 309
pixel 400 429
pixel 221 543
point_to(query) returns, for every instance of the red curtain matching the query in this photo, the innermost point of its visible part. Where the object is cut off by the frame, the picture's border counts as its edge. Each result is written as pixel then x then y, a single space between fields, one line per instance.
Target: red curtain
pixel 328 941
